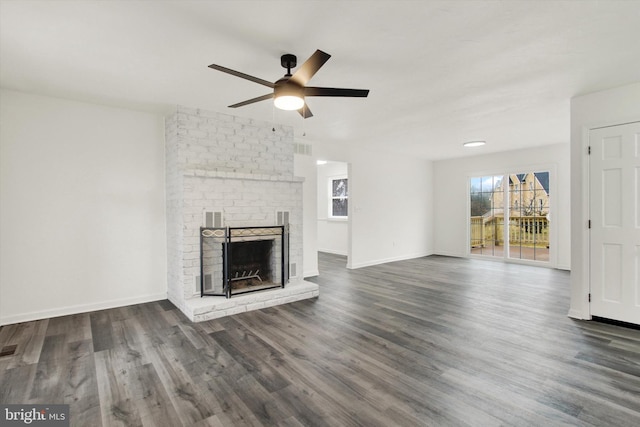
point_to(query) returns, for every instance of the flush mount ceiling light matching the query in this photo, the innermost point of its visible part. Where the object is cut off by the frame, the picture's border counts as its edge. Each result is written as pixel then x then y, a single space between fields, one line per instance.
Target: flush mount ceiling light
pixel 290 91
pixel 321 162
pixel 474 143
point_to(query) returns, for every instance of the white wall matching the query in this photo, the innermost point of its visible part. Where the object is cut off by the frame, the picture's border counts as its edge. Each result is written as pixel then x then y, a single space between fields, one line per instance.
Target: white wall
pixel 391 208
pixel 390 204
pixel 451 195
pixel 332 233
pixel 82 213
pixel 605 108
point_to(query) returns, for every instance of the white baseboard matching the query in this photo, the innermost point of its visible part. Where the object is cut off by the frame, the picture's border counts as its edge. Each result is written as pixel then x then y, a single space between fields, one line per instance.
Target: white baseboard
pixel 330 251
pixel 81 308
pixel 311 273
pixel 386 260
pixel 451 254
pixel 575 314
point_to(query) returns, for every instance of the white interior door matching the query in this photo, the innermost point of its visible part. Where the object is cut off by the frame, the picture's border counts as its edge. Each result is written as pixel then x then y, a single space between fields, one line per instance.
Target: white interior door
pixel 615 222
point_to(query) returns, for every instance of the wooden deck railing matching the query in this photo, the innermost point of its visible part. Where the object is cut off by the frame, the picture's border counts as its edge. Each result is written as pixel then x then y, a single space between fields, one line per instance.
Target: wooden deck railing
pixel 525 230
pixel 477 231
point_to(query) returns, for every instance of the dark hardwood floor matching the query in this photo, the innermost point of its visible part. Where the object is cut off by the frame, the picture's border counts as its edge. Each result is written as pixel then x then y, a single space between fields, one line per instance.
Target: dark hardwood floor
pixel 434 341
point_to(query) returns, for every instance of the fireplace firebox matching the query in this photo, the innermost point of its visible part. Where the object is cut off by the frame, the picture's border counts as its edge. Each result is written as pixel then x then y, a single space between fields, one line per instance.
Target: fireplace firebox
pixel 238 260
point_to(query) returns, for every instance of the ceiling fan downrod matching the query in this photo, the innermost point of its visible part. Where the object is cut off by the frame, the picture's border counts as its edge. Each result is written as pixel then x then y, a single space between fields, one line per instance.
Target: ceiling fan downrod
pixel 288 61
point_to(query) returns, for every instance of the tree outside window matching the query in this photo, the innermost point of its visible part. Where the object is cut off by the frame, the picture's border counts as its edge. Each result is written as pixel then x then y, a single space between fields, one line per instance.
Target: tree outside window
pixel 339 198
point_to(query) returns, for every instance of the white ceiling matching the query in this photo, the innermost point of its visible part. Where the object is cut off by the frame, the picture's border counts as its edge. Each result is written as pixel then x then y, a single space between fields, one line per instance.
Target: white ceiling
pixel 440 72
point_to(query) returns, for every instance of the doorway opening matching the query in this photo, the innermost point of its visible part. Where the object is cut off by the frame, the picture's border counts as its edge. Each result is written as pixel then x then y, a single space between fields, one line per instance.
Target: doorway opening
pixel 333 207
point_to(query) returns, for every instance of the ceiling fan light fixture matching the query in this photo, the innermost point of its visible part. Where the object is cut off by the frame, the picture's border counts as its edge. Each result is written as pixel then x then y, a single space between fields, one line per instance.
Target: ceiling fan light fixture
pixel 288 102
pixel 470 144
pixel 288 95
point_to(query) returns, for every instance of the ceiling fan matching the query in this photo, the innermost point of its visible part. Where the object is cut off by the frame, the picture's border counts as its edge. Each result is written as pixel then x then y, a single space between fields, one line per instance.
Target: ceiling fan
pixel 289 92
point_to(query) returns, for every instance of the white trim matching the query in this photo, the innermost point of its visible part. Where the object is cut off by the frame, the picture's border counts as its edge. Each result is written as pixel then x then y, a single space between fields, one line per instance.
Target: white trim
pixel 519 261
pixel 576 314
pixel 331 251
pixel 81 308
pixel 585 306
pixel 387 260
pixel 350 212
pixel 311 273
pixel 449 254
pixel 335 219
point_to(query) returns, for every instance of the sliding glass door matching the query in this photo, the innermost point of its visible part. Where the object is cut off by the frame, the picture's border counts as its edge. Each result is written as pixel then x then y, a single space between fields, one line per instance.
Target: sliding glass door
pixel 509 216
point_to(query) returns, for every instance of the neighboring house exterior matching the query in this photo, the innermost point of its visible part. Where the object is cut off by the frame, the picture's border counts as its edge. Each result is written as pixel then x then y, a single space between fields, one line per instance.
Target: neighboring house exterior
pixel 528 195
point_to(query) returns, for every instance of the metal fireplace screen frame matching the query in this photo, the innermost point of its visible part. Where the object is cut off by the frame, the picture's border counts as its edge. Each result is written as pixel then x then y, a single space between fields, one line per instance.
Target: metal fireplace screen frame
pixel 227 235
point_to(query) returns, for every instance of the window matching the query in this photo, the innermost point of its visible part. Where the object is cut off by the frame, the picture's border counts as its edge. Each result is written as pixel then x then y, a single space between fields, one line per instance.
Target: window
pixel 339 195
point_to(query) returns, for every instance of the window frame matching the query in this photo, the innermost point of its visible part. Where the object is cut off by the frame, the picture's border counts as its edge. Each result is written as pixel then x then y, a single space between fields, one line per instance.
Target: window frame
pixel 330 214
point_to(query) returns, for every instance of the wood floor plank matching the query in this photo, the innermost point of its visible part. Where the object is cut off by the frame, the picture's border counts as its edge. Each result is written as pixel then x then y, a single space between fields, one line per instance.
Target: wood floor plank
pixel 51 369
pixel 233 411
pixel 127 342
pixel 117 399
pixel 76 327
pixel 153 403
pixel 26 340
pixel 268 377
pixel 101 330
pixel 188 396
pixel 16 384
pixel 80 389
pixel 212 421
pixel 306 410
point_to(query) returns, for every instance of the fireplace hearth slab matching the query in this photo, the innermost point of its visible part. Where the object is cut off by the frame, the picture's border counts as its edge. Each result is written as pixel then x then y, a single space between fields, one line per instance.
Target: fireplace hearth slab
pixel 207 308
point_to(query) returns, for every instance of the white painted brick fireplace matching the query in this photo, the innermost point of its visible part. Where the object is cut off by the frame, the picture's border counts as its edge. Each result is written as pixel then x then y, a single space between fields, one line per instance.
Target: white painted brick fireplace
pixel 243 168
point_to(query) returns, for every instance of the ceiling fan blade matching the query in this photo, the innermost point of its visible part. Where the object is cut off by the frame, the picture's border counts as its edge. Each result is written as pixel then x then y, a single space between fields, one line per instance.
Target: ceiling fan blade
pixel 252 100
pixel 310 67
pixel 305 112
pixel 333 91
pixel 242 75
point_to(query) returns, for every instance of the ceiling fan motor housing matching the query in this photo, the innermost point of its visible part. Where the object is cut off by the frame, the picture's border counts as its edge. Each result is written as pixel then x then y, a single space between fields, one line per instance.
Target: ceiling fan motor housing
pixel 285 86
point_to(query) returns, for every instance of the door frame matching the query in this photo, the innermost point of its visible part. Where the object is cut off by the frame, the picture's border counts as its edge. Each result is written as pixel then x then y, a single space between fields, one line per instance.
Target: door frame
pixel 586 210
